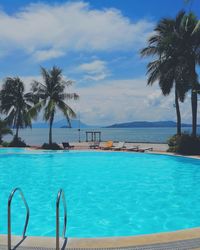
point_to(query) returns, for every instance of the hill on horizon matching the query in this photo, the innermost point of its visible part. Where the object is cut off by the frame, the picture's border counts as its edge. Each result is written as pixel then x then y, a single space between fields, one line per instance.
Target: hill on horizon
pixel 137 124
pixel 61 124
pixel 146 124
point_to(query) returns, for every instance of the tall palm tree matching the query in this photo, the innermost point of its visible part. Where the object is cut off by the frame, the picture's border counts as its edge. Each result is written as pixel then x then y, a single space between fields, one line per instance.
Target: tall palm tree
pixel 177 42
pixel 189 47
pixel 167 66
pixel 51 96
pixel 15 104
pixel 4 129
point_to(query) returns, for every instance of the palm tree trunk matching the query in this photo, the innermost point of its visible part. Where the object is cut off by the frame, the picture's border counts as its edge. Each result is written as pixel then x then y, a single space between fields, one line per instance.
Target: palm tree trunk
pixel 193 97
pixel 194 112
pixel 50 133
pixel 17 126
pixel 178 114
pixel 50 129
pixel 17 132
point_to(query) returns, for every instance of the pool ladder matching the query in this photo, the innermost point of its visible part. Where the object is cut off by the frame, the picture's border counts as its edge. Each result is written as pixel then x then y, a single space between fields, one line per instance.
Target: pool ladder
pixel 9 215
pixel 60 195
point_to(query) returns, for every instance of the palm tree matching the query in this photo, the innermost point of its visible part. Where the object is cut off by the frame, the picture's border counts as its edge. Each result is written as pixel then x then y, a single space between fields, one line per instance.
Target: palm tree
pixel 15 104
pixel 51 96
pixel 189 43
pixel 4 129
pixel 167 67
pixel 176 44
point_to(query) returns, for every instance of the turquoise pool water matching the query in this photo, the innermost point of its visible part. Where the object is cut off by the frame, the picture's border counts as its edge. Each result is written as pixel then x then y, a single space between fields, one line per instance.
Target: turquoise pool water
pixel 107 193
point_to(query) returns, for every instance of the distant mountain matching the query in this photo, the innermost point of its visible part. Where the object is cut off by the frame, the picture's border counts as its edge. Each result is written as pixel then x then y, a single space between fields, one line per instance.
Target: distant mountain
pixel 145 124
pixel 62 124
pixel 74 124
pixel 40 125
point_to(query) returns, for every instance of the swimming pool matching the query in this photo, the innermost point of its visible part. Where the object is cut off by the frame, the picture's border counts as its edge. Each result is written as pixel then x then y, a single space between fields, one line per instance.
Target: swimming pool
pixel 107 193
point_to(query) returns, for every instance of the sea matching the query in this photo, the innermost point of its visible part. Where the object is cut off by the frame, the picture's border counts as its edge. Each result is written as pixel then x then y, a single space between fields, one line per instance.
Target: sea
pixel 37 136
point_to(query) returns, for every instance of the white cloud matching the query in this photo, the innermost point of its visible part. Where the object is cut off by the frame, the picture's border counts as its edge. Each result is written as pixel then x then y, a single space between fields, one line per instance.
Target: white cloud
pixel 43 55
pixel 125 100
pixel 48 31
pixel 95 70
pixel 117 101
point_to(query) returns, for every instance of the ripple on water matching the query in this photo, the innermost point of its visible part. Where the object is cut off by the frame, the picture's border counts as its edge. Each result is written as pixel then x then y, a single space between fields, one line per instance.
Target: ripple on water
pixel 108 194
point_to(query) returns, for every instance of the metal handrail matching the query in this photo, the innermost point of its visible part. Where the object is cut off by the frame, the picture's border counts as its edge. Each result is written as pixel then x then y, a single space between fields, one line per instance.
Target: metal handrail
pixel 60 193
pixel 9 214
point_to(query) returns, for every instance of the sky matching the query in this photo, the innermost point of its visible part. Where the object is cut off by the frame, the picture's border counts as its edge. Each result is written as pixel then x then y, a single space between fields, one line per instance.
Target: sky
pixel 97 44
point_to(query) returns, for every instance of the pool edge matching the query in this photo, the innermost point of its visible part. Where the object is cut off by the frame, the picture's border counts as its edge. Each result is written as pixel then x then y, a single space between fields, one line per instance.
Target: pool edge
pixel 112 242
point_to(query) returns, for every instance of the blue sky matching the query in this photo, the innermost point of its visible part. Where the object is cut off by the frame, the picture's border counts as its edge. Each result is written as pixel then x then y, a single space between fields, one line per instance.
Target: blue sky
pixel 96 43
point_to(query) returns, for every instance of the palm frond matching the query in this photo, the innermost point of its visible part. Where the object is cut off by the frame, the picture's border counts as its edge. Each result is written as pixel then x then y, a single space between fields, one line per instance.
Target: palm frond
pixel 33 111
pixel 196 28
pixel 49 110
pixel 149 51
pixel 71 96
pixel 66 109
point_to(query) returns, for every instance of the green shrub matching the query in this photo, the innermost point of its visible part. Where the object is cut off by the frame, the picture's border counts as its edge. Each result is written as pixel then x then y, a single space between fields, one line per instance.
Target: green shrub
pixel 17 142
pixel 5 144
pixel 172 143
pixel 184 144
pixel 53 146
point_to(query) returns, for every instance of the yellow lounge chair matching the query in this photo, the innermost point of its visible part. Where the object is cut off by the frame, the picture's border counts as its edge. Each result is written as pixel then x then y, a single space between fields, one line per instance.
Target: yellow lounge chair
pixel 107 145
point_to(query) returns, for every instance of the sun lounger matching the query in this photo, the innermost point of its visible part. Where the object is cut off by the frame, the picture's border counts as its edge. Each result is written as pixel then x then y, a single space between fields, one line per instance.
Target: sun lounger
pixel 133 148
pixel 137 149
pixel 66 145
pixel 120 146
pixel 95 145
pixel 108 145
pixel 144 149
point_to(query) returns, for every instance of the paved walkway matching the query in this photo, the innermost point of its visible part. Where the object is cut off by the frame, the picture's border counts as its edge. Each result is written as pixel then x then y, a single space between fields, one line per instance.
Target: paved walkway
pixel 178 245
pixel 155 146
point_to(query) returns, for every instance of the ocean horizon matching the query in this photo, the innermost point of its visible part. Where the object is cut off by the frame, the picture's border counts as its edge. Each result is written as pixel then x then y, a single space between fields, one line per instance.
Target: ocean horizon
pixel 37 136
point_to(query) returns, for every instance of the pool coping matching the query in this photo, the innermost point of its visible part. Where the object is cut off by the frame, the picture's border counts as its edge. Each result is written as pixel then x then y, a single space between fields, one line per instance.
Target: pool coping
pixel 159 152
pixel 111 242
